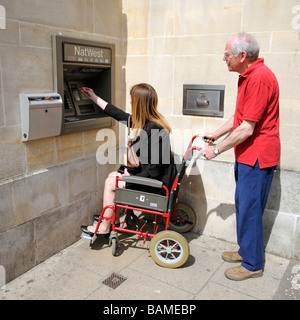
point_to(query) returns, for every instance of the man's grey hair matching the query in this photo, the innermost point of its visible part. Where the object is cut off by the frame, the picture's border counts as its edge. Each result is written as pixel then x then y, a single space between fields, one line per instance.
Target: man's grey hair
pixel 245 42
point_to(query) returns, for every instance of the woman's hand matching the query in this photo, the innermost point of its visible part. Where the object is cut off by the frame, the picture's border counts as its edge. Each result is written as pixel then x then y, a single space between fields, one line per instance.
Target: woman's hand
pixel 89 93
pixel 92 96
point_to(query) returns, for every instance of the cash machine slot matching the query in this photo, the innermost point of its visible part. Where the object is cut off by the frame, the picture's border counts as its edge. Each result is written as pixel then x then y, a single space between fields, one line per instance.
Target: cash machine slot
pixel 69 109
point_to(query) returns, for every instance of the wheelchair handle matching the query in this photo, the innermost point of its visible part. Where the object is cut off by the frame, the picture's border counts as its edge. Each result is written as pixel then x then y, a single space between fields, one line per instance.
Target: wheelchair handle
pixel 189 150
pixel 190 146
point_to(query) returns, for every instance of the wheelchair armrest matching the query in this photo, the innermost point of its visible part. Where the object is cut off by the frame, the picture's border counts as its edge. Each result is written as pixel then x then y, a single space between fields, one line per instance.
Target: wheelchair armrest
pixel 143 181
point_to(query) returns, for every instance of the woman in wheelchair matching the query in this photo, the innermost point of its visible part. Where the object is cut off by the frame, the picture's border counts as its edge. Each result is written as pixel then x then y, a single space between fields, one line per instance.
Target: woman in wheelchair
pixel 151 143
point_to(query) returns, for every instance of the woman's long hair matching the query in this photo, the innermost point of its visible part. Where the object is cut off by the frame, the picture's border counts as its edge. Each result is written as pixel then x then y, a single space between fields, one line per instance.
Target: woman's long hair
pixel 144 102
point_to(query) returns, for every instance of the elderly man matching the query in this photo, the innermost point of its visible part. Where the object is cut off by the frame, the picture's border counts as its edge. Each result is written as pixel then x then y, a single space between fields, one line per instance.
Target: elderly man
pixel 254 134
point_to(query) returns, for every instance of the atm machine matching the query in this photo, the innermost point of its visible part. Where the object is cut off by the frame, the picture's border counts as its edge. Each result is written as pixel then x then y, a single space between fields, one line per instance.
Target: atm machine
pixel 79 63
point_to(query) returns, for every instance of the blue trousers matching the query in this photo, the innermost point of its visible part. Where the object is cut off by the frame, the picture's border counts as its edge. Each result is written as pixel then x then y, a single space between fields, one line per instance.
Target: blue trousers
pixel 251 195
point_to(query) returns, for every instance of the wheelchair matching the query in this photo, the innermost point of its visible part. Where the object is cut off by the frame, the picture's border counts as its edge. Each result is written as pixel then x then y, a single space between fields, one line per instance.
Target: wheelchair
pixel 168 248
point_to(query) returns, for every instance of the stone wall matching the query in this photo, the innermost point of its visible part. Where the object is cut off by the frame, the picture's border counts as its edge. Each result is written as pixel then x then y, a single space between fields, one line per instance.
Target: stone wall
pixel 48 187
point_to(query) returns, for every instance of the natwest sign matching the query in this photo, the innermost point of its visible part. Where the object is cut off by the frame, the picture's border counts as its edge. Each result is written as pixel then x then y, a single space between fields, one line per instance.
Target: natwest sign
pixel 87 54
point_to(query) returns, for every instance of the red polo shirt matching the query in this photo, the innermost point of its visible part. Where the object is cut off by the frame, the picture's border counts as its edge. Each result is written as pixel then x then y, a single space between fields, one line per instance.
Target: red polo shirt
pixel 258 100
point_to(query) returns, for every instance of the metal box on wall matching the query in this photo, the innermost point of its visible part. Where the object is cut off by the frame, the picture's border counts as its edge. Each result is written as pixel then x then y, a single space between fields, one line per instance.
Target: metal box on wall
pixel 41 115
pixel 203 100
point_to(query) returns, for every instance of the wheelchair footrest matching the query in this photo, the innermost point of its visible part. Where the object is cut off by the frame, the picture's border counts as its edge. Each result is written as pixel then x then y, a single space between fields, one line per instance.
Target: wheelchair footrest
pixel 88 238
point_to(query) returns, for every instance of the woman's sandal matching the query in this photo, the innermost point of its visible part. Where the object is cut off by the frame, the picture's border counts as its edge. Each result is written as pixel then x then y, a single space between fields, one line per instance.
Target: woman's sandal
pixel 99 235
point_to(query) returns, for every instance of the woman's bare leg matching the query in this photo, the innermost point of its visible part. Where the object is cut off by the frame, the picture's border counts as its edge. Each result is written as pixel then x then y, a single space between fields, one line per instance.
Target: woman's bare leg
pixel 108 199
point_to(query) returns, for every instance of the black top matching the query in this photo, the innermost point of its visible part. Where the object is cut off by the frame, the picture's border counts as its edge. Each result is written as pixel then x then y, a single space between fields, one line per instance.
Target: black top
pixel 153 149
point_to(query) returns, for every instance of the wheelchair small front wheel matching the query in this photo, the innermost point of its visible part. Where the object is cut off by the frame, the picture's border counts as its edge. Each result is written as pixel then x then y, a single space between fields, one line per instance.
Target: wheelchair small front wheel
pixel 183 219
pixel 169 249
pixel 114 244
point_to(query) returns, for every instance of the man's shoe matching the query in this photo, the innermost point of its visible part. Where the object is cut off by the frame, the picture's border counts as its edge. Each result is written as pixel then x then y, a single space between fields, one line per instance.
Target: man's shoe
pixel 231 256
pixel 240 273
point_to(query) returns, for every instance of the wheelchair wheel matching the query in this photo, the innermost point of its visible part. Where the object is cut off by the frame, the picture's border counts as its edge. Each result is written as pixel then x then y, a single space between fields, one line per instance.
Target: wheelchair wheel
pixel 169 249
pixel 183 219
pixel 114 243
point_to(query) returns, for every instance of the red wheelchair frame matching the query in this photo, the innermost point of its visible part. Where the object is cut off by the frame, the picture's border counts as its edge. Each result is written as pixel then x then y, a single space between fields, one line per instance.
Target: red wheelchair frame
pixel 168 248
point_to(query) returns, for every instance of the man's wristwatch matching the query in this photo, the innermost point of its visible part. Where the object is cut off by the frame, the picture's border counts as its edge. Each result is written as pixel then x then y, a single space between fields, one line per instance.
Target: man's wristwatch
pixel 216 151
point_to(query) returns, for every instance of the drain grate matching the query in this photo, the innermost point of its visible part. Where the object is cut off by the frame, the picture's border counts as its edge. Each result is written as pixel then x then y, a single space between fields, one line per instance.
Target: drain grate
pixel 114 280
